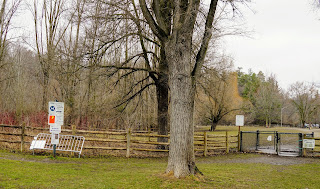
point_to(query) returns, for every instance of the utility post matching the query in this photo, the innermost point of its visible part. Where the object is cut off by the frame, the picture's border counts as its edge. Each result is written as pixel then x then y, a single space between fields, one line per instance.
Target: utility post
pixel 281 115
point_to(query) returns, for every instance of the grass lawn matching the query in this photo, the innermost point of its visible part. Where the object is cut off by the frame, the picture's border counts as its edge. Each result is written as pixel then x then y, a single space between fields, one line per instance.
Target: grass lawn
pixel 225 171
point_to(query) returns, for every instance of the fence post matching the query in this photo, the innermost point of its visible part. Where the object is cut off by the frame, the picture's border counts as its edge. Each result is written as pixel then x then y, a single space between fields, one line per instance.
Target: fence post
pixel 239 150
pixel 128 142
pixel 149 132
pixel 257 140
pixel 240 141
pixel 205 143
pixel 277 142
pixel 300 144
pixel 74 132
pixel 227 142
pixel 304 150
pixel 22 137
pixel 74 129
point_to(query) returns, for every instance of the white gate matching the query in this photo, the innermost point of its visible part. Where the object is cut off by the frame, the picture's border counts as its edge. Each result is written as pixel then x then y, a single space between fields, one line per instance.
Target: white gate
pixel 68 143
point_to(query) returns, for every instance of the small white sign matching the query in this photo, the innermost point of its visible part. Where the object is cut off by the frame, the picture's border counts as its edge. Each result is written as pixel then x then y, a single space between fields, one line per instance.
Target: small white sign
pixel 55 128
pixel 309 143
pixel 55 138
pixel 239 120
pixel 56 113
pixel 269 138
pixel 37 144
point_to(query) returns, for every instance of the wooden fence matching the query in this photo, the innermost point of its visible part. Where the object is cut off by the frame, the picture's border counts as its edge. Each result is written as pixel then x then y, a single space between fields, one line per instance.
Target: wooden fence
pixel 122 143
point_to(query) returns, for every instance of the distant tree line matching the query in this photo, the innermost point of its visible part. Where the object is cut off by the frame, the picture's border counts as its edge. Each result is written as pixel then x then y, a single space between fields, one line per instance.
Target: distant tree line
pixel 268 103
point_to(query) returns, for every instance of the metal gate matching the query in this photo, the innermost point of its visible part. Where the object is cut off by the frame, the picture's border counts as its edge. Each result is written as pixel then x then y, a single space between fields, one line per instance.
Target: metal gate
pixel 272 142
pixel 267 142
pixel 258 141
pixel 289 144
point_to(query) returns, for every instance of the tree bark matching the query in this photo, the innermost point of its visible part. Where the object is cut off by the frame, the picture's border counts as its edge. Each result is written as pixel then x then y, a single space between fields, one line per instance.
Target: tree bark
pixel 45 80
pixel 162 98
pixel 181 159
pixel 162 87
pixel 213 125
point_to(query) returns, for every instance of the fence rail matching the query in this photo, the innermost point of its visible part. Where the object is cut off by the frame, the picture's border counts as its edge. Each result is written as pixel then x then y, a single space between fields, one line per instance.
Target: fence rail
pixel 128 142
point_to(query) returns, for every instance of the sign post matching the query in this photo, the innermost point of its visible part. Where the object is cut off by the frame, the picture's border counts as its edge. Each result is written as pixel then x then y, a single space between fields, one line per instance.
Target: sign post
pixel 55 120
pixel 239 122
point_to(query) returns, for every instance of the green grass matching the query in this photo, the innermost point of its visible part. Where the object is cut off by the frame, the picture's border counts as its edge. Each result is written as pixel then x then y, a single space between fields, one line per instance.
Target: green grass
pixel 26 171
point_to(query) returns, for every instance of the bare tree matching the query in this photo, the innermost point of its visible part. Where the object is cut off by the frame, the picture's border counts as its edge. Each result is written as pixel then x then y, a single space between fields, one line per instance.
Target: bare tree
pixel 305 98
pixel 141 66
pixel 173 22
pixel 268 102
pixel 7 11
pixel 70 60
pixel 49 31
pixel 217 95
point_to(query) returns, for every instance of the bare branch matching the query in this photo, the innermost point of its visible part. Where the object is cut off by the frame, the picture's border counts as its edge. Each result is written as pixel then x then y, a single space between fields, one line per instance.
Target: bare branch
pixel 161 34
pixel 206 38
pixel 133 96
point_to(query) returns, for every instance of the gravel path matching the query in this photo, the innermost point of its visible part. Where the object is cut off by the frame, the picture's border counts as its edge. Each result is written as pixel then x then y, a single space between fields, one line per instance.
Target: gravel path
pixel 264 159
pixel 231 158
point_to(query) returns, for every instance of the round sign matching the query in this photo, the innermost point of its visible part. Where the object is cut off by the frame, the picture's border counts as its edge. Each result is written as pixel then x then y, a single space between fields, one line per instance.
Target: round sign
pixel 52 108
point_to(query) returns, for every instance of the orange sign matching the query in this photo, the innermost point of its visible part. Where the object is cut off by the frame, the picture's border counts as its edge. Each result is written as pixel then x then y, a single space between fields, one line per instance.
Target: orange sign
pixel 52 119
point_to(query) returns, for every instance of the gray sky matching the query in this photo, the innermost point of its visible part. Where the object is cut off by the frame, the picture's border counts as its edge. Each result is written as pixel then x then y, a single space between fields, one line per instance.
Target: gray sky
pixel 286 41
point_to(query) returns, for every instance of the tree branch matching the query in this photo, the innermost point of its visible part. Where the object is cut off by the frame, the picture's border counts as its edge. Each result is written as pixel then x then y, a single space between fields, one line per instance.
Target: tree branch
pixel 133 96
pixel 161 34
pixel 130 68
pixel 206 38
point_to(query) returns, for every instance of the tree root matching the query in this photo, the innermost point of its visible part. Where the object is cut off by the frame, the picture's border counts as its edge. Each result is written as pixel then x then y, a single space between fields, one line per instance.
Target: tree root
pixel 197 171
pixel 194 169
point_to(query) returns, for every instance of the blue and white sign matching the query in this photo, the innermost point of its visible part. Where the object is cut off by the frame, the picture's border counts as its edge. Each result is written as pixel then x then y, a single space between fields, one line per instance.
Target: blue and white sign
pixel 55 128
pixel 56 115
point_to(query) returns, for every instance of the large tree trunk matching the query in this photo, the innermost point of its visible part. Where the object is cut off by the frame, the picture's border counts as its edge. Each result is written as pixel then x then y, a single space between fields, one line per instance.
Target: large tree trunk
pixel 173 23
pixel 213 125
pixel 162 98
pixel 181 155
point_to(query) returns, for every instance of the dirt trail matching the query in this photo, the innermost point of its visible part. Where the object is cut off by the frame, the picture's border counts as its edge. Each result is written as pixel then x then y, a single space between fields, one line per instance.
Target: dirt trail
pixel 21 158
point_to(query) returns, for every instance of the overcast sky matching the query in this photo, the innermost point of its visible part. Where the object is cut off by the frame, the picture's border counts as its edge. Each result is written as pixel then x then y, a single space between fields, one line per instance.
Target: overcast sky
pixel 286 41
